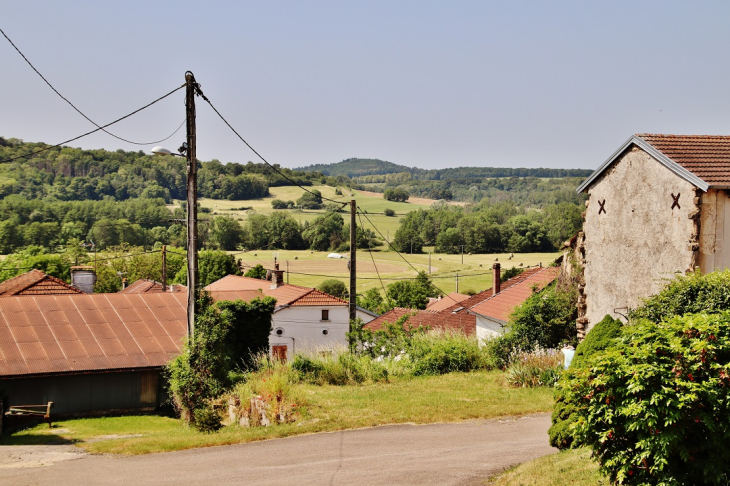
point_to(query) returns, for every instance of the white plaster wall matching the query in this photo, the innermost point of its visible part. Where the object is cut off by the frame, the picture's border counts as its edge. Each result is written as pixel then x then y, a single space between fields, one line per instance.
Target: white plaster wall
pixel 488 329
pixel 639 242
pixel 303 325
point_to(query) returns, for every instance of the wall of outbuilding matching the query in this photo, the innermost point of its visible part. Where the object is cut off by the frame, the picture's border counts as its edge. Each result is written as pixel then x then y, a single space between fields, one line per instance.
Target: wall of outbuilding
pixel 638 240
pixel 96 392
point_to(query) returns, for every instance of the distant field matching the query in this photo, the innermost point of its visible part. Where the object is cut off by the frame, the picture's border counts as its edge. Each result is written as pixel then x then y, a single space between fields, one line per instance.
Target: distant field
pixel 371 202
pixel 310 268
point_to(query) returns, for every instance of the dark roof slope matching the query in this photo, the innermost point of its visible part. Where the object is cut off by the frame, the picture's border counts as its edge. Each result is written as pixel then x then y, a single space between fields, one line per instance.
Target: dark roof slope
pixel 89 332
pixel 36 282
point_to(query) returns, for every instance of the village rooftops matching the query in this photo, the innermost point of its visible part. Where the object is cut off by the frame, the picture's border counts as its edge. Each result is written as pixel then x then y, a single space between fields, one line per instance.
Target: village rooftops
pixel 442 321
pixel 702 160
pixel 446 302
pixel 36 282
pixel 46 334
pixel 232 287
pixel 500 306
pixel 145 285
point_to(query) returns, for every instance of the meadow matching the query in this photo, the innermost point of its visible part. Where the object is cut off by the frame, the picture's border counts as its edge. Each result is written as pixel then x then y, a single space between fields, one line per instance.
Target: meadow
pixel 310 268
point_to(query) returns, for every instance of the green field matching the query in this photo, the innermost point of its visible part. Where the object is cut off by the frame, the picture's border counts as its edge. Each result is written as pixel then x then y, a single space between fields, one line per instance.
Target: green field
pixel 372 203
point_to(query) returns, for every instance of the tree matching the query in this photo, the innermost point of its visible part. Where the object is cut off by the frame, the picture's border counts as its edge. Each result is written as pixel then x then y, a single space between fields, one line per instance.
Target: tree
pixel 325 232
pixel 285 231
pixel 310 200
pixel 212 265
pixel 250 328
pixel 373 301
pixel 396 194
pixel 335 288
pixel 256 272
pixel 226 233
pixel 412 294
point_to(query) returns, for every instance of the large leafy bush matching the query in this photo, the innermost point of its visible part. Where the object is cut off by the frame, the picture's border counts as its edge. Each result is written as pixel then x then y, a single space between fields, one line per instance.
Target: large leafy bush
pixel 566 412
pixel 657 405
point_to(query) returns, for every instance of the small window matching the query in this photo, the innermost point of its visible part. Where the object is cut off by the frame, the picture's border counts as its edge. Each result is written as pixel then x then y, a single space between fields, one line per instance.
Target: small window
pixel 325 314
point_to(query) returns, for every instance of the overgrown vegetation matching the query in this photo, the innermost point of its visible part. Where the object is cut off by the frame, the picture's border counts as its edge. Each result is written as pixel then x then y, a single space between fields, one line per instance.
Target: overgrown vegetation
pixel 540 367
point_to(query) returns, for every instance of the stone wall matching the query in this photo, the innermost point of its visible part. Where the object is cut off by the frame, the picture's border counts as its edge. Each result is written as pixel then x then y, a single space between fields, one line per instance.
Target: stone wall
pixel 636 238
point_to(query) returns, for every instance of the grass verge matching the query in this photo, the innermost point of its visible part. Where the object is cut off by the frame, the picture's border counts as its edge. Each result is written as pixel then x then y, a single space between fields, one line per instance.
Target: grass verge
pixel 572 467
pixel 446 398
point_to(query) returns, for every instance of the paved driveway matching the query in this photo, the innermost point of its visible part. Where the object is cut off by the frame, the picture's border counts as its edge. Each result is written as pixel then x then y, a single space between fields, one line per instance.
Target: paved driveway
pixel 443 454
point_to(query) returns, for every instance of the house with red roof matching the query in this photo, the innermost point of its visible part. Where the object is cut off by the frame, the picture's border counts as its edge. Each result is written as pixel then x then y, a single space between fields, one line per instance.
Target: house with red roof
pixel 35 282
pixel 149 286
pixel 483 315
pixel 658 206
pixel 304 320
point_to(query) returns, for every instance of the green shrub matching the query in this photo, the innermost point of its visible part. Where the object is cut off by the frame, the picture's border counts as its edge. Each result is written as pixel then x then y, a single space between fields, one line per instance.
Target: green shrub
pixel 389 212
pixel 546 319
pixel 436 353
pixel 566 413
pixel 602 336
pixel 540 367
pixel 657 403
pixel 688 294
pixel 207 420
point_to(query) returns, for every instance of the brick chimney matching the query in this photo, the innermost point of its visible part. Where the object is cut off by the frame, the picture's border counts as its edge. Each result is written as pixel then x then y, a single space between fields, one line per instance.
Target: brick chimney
pixel 277 277
pixel 496 283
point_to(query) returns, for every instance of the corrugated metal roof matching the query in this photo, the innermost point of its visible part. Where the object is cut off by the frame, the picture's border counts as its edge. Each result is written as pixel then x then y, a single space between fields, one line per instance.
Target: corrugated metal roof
pixel 89 332
pixel 35 282
pixel 501 305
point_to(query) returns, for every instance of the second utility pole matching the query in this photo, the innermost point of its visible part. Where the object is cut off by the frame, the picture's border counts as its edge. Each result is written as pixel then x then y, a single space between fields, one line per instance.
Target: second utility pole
pixel 192 216
pixel 353 257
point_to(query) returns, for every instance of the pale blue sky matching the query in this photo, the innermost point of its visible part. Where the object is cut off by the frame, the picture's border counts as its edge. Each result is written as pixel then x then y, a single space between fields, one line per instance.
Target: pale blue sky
pixel 419 83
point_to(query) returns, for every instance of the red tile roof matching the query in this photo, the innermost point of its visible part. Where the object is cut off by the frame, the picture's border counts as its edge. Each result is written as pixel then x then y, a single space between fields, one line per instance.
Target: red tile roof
pixel 284 294
pixel 446 302
pixel 485 294
pixel 443 321
pixel 145 285
pixel 36 282
pixel 706 156
pixel 501 305
pixel 89 332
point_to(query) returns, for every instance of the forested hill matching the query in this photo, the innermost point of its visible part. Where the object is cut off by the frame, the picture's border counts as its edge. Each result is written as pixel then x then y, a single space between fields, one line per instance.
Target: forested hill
pixel 72 174
pixel 360 169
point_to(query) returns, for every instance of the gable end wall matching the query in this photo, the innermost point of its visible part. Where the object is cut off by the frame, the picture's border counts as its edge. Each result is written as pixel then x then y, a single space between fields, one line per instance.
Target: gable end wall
pixel 640 241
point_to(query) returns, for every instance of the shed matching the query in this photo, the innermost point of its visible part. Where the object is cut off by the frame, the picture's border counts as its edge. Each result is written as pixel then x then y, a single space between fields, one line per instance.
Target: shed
pixel 657 207
pixel 89 353
pixel 35 282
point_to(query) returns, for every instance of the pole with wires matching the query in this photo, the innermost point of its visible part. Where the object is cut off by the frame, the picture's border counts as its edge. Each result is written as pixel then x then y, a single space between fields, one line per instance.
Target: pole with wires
pixel 353 257
pixel 192 213
pixel 164 268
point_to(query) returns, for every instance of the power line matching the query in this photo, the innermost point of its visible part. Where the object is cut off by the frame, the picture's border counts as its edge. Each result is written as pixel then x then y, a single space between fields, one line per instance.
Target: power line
pixel 373 259
pixel 404 259
pixel 74 107
pixel 260 156
pixel 93 131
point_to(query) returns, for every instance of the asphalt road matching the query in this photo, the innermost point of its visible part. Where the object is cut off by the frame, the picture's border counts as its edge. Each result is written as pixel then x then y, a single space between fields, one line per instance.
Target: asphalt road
pixel 445 454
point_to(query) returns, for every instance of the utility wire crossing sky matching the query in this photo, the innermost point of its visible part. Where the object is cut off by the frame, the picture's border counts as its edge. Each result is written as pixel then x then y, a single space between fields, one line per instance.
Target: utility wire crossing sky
pixel 419 83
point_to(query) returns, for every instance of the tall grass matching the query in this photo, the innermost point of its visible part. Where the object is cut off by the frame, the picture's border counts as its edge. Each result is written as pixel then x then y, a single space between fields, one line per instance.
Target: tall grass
pixel 541 367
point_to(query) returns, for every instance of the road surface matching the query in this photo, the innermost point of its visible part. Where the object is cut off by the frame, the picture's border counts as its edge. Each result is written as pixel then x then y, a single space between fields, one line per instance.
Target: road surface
pixel 445 454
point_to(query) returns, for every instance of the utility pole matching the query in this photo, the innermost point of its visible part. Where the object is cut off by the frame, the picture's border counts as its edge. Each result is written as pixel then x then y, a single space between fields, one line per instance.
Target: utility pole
pixel 192 201
pixel 353 257
pixel 429 262
pixel 287 272
pixel 462 254
pixel 457 283
pixel 164 268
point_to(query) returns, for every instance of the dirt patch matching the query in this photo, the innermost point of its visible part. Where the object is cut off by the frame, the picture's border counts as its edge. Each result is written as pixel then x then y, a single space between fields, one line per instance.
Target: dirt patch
pixel 37 455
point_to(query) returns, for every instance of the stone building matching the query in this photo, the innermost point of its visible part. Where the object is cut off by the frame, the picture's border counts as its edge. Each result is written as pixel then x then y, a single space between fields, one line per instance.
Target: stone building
pixel 657 207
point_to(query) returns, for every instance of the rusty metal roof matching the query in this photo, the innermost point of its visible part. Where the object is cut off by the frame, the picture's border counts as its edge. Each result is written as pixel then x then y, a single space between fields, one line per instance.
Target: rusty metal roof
pixel 89 332
pixel 35 282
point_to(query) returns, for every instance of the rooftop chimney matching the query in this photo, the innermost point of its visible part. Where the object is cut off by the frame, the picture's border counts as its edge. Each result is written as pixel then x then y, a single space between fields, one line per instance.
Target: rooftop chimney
pixel 277 278
pixel 124 283
pixel 496 283
pixel 83 278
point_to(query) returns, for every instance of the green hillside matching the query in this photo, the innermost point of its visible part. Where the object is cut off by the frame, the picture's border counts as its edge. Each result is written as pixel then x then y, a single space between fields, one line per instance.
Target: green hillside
pixel 357 167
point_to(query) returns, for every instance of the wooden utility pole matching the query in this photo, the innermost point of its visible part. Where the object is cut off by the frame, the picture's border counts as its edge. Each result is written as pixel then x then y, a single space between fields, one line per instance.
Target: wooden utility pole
pixel 192 216
pixel 164 268
pixel 353 257
pixel 457 283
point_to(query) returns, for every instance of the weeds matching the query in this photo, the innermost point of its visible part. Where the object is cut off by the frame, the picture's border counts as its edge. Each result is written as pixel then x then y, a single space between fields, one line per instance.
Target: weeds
pixel 541 367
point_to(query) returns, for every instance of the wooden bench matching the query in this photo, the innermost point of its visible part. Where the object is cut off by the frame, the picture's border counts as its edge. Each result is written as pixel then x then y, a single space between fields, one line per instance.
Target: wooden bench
pixel 36 410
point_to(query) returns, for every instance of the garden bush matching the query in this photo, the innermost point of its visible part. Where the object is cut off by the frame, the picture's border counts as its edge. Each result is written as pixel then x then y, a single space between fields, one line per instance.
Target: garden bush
pixel 656 404
pixel 436 353
pixel 565 412
pixel 540 367
pixel 688 294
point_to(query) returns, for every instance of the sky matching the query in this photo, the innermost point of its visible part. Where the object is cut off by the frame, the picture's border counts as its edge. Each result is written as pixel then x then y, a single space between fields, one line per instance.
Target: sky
pixel 427 84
